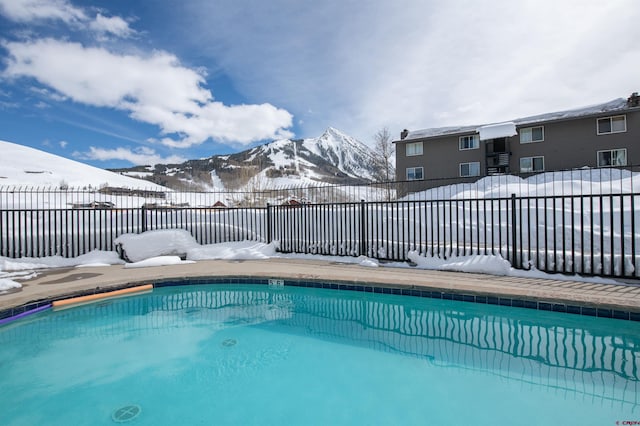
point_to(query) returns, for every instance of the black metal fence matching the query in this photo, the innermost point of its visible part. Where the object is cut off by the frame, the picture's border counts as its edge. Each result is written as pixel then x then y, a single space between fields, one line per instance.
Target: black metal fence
pixel 576 221
pixel 586 234
pixel 73 232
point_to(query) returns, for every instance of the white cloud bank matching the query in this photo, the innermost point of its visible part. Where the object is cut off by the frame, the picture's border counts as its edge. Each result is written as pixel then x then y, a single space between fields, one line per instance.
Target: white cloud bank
pixel 421 63
pixel 154 89
pixel 140 155
pixel 34 10
pixel 27 11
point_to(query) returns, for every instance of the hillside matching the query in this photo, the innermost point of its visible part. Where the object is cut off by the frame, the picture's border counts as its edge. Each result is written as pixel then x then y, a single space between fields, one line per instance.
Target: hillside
pixel 333 157
pixel 24 166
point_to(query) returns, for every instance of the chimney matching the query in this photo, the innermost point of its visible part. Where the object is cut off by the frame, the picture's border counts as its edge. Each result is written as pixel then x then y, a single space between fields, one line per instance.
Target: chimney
pixel 405 132
pixel 634 100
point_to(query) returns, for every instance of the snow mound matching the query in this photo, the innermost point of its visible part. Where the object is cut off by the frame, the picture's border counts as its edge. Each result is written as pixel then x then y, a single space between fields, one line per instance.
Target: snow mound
pixel 162 242
pixel 31 263
pixel 242 250
pixel 158 261
pixel 7 284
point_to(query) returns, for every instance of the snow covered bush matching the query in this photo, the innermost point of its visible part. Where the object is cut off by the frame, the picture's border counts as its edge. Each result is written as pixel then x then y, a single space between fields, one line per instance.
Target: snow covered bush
pixel 162 242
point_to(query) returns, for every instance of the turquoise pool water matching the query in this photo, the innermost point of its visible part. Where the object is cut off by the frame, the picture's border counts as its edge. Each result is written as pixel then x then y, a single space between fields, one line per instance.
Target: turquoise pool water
pixel 255 355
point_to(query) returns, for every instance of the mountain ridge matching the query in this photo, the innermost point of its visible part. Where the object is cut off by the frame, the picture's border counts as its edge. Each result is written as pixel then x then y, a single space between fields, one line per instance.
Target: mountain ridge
pixel 333 157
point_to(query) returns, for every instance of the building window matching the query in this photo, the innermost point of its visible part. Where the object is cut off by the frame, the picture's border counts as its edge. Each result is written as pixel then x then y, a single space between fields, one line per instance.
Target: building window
pixel 617 124
pixel 469 169
pixel 469 142
pixel 532 134
pixel 415 173
pixel 414 148
pixel 612 157
pixel 531 164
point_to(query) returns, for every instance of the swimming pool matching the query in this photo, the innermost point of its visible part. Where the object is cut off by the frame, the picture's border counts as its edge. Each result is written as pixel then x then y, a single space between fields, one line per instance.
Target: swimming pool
pixel 257 355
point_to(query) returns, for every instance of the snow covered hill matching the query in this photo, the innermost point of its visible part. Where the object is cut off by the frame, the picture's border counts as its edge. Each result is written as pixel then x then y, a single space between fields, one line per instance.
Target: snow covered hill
pixel 333 157
pixel 24 166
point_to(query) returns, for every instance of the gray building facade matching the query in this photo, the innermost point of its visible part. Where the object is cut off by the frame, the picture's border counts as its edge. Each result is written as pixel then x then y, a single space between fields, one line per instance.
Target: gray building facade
pixel 603 135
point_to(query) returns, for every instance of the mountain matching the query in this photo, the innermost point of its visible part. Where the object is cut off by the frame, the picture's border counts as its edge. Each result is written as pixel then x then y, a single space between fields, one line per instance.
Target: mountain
pixel 334 157
pixel 24 166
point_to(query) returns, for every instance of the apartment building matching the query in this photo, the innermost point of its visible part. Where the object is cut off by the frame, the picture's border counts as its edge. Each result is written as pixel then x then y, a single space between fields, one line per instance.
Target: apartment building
pixel 602 135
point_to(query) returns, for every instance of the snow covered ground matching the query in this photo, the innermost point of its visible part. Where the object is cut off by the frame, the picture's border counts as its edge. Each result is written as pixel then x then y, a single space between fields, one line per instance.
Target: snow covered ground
pixel 157 248
pixel 586 181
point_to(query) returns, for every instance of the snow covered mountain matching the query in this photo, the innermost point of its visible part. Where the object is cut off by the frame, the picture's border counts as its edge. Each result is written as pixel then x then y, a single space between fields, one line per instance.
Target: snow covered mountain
pixel 334 157
pixel 24 166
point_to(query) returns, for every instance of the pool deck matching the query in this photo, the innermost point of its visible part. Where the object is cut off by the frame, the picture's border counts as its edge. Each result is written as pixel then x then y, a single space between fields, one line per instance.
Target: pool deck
pixel 59 283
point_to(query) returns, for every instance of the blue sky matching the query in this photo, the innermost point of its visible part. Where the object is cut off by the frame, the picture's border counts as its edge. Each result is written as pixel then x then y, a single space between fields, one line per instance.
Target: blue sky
pixel 115 83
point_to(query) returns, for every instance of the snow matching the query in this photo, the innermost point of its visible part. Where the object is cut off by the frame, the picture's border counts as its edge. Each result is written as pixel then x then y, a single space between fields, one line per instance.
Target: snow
pixel 440 131
pixel 158 261
pixel 24 168
pixel 31 263
pixel 144 248
pixel 137 174
pixel 162 242
pixel 20 165
pixel 570 182
pixel 614 105
pixel 242 250
pixel 216 182
pixel 7 284
pixel 494 131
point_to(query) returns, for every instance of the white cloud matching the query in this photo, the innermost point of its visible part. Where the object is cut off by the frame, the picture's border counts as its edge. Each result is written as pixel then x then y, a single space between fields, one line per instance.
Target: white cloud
pixel 140 156
pixel 33 10
pixel 41 10
pixel 63 144
pixel 417 63
pixel 155 89
pixel 114 25
pixel 41 91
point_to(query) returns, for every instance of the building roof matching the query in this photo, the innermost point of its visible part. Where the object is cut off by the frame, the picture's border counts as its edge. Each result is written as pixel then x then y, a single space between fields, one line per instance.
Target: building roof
pixel 614 105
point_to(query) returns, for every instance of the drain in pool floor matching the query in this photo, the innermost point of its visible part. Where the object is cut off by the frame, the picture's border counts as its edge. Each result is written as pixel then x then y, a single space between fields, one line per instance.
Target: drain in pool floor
pixel 126 413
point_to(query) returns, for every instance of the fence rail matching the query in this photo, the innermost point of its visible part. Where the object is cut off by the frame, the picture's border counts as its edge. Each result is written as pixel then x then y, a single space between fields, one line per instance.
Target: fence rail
pixel 595 234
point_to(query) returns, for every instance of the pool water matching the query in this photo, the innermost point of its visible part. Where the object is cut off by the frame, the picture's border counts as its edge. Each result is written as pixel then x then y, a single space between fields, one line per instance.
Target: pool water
pixel 255 355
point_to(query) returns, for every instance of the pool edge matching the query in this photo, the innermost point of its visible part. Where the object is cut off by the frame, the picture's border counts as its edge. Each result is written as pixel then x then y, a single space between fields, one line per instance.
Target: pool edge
pixel 561 306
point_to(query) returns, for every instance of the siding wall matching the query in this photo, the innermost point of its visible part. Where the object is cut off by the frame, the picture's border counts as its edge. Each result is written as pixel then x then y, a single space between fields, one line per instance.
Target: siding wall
pixel 567 144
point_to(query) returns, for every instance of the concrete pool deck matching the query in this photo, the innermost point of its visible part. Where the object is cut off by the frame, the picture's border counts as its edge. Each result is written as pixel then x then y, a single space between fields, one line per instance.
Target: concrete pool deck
pixel 59 283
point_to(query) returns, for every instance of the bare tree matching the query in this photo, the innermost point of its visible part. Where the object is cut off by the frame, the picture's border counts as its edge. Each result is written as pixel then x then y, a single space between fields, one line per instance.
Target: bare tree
pixel 384 151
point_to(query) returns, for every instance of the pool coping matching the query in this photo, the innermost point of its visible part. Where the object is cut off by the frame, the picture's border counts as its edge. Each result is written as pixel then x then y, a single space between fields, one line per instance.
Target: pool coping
pixel 573 297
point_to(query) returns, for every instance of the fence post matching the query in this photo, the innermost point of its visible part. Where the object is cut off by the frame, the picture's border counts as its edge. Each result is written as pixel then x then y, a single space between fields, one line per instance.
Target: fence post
pixel 363 228
pixel 143 212
pixel 514 261
pixel 268 223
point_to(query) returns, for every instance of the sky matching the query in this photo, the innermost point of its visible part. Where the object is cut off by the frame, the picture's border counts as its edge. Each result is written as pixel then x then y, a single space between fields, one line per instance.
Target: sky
pixel 116 83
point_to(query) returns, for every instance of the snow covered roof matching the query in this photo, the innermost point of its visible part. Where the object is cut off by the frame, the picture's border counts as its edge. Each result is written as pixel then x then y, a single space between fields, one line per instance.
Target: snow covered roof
pixel 614 105
pixel 501 130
